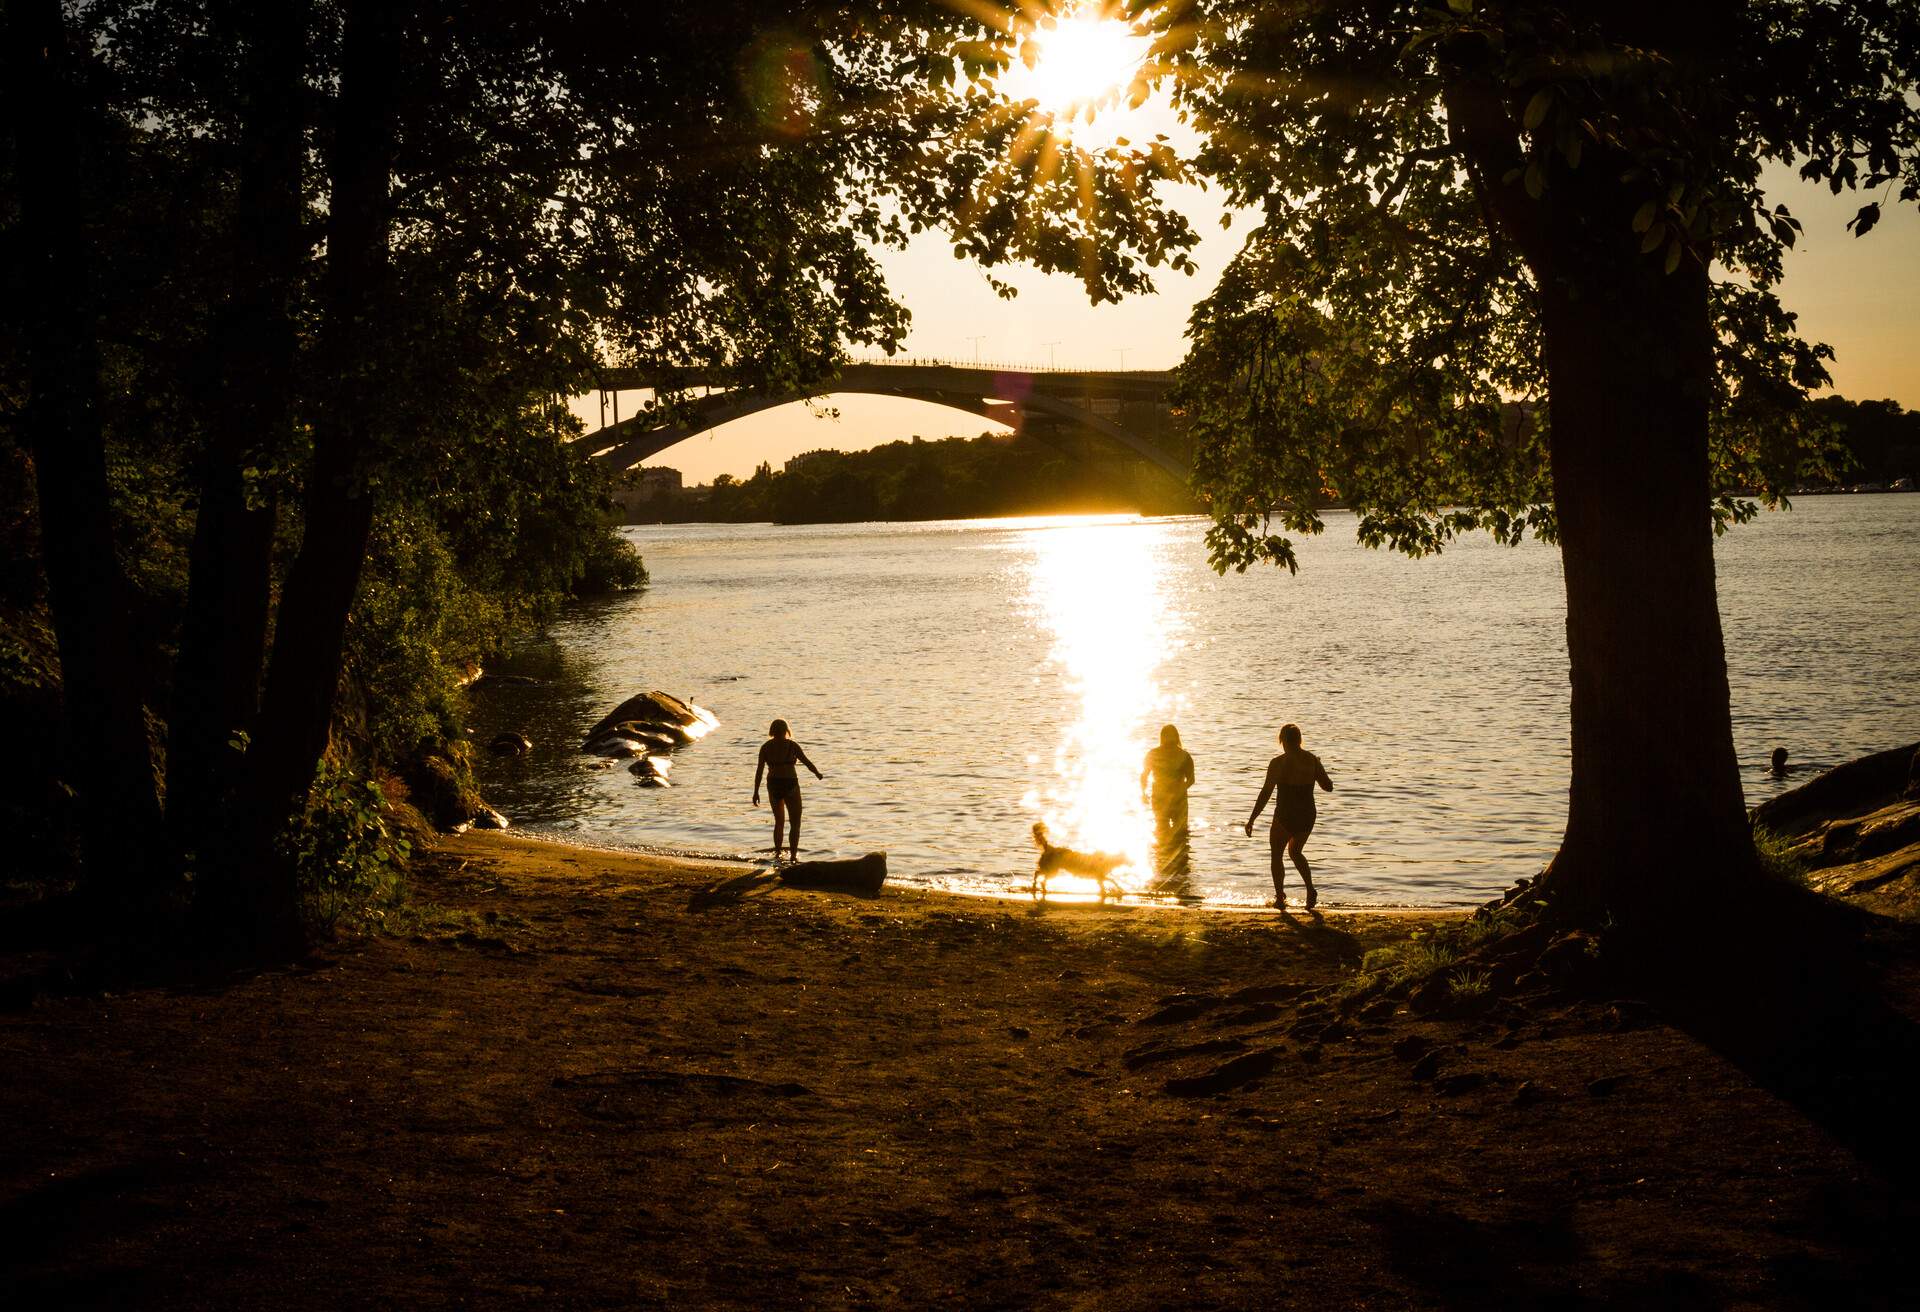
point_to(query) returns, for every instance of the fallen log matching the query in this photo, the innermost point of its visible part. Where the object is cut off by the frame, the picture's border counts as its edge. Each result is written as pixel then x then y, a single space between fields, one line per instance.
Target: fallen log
pixel 863 875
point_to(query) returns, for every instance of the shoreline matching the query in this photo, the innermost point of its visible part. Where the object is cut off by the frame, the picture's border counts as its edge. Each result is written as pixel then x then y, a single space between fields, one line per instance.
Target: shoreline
pixel 1132 902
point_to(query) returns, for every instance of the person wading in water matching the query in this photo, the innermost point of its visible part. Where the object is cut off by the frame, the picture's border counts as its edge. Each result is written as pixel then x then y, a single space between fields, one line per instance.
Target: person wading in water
pixel 778 755
pixel 1165 777
pixel 1290 780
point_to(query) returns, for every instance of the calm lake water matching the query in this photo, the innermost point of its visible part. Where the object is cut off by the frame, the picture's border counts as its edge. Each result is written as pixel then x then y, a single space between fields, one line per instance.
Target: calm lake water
pixel 958 681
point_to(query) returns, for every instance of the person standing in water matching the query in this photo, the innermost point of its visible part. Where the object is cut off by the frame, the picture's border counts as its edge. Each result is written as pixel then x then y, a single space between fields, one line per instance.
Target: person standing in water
pixel 1290 780
pixel 1165 777
pixel 778 755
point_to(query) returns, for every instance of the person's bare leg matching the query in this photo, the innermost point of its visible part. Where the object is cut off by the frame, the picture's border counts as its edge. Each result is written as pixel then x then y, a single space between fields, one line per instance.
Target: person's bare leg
pixel 1277 843
pixel 793 829
pixel 779 825
pixel 1296 850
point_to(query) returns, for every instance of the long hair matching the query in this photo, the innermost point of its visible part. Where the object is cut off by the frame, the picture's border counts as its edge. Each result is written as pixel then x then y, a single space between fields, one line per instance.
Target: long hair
pixel 1169 736
pixel 1290 737
pixel 778 729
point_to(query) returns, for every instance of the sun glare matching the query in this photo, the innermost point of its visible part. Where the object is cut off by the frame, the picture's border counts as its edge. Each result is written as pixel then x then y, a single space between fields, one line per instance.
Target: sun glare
pixel 1078 63
pixel 1098 593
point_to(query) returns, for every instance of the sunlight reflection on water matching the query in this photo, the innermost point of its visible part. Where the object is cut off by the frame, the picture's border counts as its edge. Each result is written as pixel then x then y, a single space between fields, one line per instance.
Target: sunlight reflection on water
pixel 1100 597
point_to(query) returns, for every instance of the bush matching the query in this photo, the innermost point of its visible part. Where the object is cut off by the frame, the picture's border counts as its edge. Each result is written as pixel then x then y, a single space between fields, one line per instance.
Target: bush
pixel 348 858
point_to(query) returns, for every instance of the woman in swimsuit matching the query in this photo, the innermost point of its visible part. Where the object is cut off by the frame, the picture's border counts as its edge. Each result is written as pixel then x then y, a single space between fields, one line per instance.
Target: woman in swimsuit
pixel 1290 780
pixel 1165 777
pixel 778 754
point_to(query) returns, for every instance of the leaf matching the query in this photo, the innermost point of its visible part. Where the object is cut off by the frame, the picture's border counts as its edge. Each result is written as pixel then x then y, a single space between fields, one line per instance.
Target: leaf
pixel 1862 223
pixel 1673 254
pixel 1643 217
pixel 1537 108
pixel 1655 235
pixel 1536 181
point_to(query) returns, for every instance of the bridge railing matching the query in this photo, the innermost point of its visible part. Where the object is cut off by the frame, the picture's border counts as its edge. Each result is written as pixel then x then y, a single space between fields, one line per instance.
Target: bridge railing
pixel 997 366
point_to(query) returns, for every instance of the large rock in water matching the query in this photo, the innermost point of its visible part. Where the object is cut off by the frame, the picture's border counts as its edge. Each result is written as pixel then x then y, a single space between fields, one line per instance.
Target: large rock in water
pixel 656 708
pixel 1857 830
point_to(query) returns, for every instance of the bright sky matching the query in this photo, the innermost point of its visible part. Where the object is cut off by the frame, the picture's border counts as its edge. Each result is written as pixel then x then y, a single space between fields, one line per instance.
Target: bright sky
pixel 1861 296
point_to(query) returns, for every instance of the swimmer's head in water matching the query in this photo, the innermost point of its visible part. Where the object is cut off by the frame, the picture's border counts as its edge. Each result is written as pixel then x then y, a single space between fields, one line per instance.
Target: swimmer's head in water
pixel 1779 760
pixel 1169 736
pixel 778 729
pixel 1290 736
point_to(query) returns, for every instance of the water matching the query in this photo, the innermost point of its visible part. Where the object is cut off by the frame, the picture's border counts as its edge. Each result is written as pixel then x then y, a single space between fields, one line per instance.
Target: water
pixel 957 681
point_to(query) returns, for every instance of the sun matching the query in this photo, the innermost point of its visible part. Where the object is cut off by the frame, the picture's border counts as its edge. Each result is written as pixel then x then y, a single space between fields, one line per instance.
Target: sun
pixel 1077 62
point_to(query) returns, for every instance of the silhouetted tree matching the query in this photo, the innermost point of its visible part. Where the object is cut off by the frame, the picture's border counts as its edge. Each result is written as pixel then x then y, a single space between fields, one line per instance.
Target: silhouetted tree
pixel 1562 203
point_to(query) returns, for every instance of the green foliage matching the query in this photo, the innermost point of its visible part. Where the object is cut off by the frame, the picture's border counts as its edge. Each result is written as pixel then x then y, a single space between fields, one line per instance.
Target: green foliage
pixel 348 858
pixel 1469 985
pixel 1778 858
pixel 1425 174
pixel 952 478
pixel 1878 442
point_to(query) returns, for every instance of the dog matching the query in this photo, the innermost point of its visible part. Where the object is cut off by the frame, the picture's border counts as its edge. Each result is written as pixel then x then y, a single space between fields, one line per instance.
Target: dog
pixel 1097 866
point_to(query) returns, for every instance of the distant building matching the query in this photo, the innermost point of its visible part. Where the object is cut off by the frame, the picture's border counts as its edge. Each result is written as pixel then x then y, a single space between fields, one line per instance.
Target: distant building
pixel 643 486
pixel 805 457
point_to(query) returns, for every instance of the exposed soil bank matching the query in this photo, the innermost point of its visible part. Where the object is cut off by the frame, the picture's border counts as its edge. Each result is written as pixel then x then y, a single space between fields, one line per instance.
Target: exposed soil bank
pixel 584 1093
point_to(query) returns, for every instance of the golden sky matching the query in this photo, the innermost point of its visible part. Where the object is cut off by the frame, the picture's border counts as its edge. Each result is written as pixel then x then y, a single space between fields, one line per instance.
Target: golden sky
pixel 1859 295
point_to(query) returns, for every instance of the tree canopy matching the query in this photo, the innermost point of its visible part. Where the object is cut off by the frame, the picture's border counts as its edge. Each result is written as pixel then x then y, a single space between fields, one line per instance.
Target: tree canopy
pixel 1402 158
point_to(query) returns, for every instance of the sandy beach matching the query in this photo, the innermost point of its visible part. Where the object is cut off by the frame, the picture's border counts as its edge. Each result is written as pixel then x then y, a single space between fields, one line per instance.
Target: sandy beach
pixel 564 1086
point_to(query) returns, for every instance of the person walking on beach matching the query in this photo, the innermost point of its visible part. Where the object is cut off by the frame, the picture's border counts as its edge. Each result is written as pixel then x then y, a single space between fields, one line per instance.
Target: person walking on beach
pixel 1165 777
pixel 1290 780
pixel 778 755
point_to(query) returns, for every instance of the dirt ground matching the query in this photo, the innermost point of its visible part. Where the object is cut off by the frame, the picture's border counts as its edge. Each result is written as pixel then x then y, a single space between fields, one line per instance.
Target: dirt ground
pixel 574 1090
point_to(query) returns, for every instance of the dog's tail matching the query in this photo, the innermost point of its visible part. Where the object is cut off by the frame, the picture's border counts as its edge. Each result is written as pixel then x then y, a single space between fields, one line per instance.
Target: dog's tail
pixel 1039 835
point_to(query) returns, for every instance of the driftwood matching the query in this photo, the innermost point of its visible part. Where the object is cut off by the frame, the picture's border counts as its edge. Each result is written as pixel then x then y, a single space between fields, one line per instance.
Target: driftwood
pixel 862 875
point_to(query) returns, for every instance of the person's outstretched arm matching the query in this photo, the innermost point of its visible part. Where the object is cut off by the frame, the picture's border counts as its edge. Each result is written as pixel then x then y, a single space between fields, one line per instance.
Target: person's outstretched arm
pixel 1266 791
pixel 802 758
pixel 1320 775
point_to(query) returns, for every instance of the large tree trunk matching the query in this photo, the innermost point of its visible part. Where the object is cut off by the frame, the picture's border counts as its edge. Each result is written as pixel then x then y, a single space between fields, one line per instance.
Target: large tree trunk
pixel 310 628
pixel 224 631
pixel 1656 823
pixel 87 590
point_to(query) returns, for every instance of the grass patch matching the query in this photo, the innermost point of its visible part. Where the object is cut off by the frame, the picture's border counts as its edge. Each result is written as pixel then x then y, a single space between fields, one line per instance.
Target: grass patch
pixel 1778 858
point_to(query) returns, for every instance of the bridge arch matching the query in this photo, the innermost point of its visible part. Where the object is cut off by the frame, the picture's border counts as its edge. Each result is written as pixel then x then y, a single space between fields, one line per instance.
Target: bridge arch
pixel 1000 396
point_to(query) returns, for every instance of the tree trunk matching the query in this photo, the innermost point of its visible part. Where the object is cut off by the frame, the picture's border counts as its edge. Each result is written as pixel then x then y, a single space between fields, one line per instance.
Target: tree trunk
pixel 224 631
pixel 1656 823
pixel 310 629
pixel 87 590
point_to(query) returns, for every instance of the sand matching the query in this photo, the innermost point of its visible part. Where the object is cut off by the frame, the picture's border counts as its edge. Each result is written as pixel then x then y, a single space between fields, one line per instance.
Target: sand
pixel 568 1088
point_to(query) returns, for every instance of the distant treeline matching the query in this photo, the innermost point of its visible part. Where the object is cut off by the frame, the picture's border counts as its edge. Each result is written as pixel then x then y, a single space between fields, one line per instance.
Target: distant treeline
pixel 1883 438
pixel 953 478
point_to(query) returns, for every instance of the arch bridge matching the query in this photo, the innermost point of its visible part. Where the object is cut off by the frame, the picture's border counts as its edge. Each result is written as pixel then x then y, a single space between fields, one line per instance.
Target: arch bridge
pixel 1128 408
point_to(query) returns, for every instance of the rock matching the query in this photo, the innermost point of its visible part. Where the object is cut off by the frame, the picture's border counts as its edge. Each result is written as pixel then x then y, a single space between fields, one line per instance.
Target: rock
pixel 1019 1031
pixel 1242 1070
pixel 651 767
pixel 1527 1094
pixel 656 710
pixel 863 875
pixel 507 681
pixel 1605 1085
pixel 1426 1068
pixel 1451 1086
pixel 510 744
pixel 616 748
pixel 1846 790
pixel 490 819
pixel 651 734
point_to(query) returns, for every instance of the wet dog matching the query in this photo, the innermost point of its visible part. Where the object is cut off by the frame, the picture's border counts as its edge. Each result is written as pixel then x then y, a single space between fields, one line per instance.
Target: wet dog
pixel 1097 866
